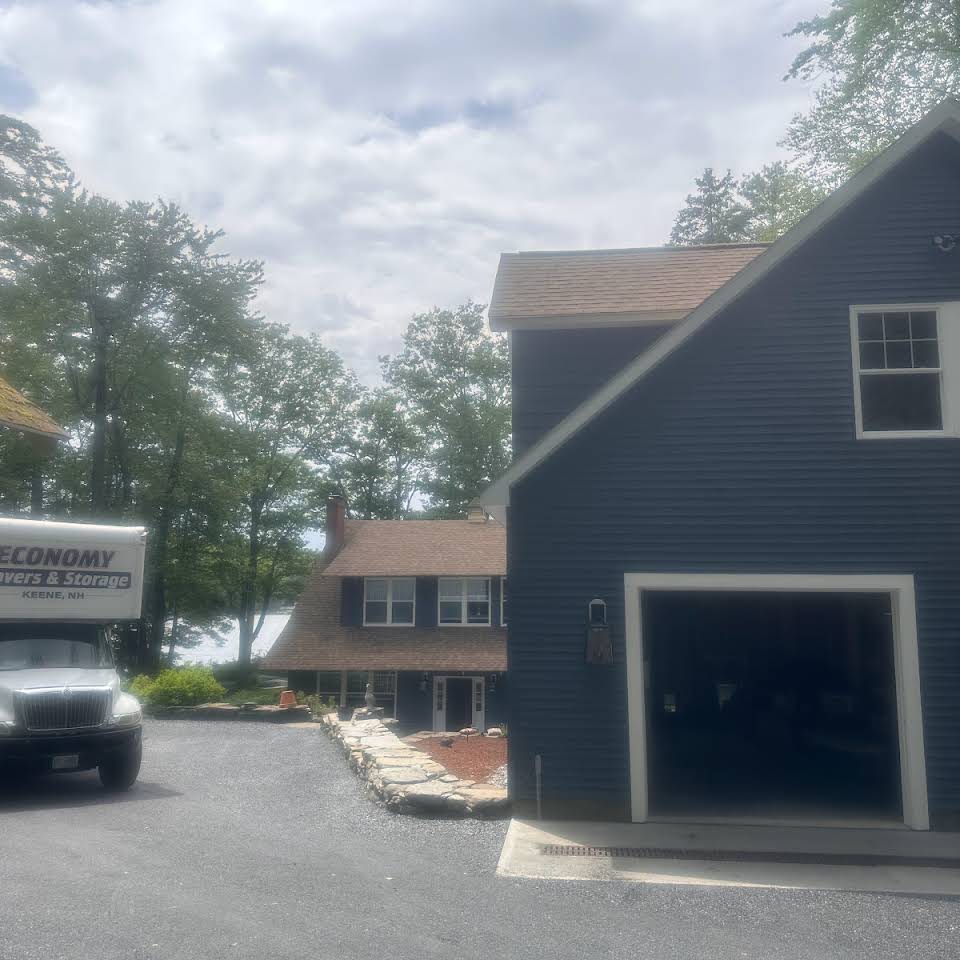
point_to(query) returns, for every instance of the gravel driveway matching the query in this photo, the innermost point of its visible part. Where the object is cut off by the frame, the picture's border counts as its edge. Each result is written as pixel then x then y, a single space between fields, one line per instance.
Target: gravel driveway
pixel 248 841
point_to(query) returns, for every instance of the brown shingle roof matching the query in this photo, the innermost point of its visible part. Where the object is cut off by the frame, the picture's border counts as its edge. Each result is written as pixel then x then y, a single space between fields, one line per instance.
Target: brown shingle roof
pixel 421 548
pixel 18 412
pixel 658 283
pixel 314 639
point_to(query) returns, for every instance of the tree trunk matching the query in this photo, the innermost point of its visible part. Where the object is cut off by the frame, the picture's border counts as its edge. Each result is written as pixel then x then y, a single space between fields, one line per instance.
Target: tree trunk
pixel 172 652
pixel 36 489
pixel 161 549
pixel 98 471
pixel 121 456
pixel 248 590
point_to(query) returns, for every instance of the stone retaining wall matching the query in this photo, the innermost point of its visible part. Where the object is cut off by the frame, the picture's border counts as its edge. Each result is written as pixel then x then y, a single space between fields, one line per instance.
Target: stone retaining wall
pixel 407 780
pixel 229 711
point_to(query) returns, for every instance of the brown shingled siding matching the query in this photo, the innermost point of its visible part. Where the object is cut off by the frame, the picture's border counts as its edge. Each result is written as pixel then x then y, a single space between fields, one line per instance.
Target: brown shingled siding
pixel 313 639
pixel 421 548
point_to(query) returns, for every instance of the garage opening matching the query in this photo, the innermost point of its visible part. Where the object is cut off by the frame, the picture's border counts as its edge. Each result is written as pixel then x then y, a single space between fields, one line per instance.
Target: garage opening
pixel 771 704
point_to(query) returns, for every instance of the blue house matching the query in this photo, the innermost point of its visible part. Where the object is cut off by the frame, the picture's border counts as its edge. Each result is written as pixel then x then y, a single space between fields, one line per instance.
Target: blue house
pixel 733 520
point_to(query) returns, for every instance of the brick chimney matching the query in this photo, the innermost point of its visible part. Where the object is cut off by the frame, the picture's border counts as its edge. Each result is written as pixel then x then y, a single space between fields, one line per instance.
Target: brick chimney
pixel 335 527
pixel 475 511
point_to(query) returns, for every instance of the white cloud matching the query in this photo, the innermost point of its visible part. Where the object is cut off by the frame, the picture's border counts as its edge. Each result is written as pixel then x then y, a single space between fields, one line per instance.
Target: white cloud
pixel 380 157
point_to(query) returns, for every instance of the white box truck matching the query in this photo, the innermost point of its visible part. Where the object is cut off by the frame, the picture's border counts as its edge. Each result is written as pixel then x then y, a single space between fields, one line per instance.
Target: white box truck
pixel 61 706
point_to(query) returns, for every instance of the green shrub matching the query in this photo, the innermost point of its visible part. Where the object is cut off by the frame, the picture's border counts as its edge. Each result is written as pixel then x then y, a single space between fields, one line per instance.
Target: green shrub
pixel 263 695
pixel 317 704
pixel 140 686
pixel 183 687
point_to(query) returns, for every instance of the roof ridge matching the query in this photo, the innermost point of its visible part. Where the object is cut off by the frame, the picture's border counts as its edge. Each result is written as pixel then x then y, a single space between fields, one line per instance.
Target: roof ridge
pixel 663 248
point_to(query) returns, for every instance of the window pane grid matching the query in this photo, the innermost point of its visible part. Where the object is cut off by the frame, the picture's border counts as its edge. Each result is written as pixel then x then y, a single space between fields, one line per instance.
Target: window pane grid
pixel 463 601
pixel 389 601
pixel 901 340
pixel 900 369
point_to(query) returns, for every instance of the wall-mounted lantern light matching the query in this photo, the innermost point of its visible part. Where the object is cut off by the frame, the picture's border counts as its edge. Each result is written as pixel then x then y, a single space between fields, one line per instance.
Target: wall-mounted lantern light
pixel 424 678
pixel 599 644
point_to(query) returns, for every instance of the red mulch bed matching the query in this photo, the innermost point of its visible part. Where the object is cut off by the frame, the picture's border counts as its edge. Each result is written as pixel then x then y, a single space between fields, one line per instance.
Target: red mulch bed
pixel 470 758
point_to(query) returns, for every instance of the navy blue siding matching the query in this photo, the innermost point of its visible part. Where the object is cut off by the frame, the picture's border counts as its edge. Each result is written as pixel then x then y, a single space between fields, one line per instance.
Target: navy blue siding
pixel 738 454
pixel 426 612
pixel 351 601
pixel 497 706
pixel 554 370
pixel 414 706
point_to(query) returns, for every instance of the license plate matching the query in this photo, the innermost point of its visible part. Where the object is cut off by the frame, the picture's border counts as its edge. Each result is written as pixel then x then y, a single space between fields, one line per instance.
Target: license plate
pixel 67 761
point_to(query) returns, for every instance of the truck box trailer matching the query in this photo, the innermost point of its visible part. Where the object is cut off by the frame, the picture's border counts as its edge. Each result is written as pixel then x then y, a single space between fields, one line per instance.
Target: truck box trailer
pixel 62 585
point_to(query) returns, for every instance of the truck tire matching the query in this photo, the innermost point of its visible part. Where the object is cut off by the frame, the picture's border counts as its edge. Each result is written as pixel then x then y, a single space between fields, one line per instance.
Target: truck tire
pixel 119 772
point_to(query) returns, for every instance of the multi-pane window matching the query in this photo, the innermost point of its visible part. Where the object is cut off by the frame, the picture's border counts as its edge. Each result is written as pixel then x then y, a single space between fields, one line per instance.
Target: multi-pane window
pixel 503 601
pixel 389 601
pixel 329 685
pixel 464 601
pixel 899 371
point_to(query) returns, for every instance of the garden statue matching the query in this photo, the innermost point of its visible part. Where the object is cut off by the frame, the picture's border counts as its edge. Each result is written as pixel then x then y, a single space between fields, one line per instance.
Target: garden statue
pixel 369 699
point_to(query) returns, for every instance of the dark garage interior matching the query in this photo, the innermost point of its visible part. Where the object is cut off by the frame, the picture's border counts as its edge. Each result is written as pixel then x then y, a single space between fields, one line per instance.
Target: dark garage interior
pixel 771 705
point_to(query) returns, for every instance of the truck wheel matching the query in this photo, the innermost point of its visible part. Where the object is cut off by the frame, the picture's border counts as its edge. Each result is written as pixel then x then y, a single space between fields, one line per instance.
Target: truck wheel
pixel 119 772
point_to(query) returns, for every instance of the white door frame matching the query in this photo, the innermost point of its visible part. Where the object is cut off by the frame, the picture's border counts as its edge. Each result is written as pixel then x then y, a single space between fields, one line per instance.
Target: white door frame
pixel 477 703
pixel 913 771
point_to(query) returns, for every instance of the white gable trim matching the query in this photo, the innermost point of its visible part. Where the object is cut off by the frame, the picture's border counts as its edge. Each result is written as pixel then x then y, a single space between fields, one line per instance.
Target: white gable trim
pixel 945 117
pixel 574 321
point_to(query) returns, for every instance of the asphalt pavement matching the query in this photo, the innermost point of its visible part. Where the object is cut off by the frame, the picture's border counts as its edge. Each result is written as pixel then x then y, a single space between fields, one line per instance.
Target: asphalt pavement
pixel 250 841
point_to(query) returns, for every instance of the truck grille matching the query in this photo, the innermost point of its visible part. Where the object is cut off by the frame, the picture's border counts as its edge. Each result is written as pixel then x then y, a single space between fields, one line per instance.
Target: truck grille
pixel 66 708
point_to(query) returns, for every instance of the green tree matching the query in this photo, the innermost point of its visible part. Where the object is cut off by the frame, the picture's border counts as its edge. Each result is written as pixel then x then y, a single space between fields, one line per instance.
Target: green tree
pixel 287 407
pixel 32 174
pixel 112 290
pixel 454 378
pixel 884 63
pixel 777 197
pixel 380 469
pixel 715 213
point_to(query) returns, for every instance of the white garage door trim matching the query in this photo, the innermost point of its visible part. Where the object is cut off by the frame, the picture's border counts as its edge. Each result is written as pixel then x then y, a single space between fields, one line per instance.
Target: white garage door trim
pixel 913 772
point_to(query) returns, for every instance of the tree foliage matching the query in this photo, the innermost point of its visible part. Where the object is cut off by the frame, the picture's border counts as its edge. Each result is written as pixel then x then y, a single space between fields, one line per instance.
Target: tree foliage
pixel 715 213
pixel 878 67
pixel 881 65
pixel 757 208
pixel 455 381
pixel 382 465
pixel 188 412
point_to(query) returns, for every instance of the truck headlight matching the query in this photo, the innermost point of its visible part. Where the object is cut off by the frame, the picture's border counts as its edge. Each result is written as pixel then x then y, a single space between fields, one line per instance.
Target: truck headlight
pixel 126 719
pixel 126 712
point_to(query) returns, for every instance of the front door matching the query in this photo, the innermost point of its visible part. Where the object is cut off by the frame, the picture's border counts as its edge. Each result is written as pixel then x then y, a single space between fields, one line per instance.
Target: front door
pixel 458 703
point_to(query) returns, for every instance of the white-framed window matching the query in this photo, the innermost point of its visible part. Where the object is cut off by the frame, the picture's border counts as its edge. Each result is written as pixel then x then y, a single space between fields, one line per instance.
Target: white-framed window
pixel 463 601
pixel 503 601
pixel 899 370
pixel 389 601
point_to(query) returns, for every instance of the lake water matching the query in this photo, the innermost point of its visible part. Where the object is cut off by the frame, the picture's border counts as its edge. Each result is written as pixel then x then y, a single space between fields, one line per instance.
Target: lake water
pixel 217 648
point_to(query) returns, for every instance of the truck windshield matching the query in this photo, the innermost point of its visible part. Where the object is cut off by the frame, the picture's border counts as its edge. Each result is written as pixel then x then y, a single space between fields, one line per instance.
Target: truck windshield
pixel 31 647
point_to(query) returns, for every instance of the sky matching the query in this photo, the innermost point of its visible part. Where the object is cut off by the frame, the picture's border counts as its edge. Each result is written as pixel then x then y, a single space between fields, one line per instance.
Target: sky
pixel 379 156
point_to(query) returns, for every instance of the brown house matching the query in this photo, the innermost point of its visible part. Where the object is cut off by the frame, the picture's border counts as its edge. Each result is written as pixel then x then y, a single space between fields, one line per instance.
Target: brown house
pixel 417 607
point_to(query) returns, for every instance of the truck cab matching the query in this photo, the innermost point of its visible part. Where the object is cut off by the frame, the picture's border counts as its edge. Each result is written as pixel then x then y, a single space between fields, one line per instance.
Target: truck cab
pixel 62 585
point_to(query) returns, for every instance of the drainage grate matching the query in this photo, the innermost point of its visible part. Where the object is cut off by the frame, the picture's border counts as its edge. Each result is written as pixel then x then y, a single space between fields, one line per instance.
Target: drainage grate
pixel 749 856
